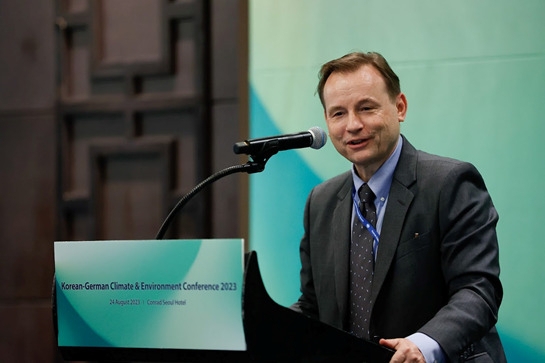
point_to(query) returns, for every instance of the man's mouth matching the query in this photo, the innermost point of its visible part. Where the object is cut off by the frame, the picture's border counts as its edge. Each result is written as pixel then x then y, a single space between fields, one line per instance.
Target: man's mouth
pixel 357 141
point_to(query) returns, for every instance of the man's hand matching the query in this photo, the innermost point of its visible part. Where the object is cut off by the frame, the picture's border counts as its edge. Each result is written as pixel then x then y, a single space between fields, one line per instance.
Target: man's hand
pixel 406 351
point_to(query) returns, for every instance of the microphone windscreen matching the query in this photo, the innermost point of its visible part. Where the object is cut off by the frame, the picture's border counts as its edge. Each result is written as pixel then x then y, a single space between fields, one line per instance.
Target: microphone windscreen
pixel 319 137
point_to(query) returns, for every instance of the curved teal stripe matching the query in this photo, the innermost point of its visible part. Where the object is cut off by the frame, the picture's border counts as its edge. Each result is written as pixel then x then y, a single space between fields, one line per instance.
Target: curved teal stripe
pixel 518 351
pixel 277 200
pixel 68 319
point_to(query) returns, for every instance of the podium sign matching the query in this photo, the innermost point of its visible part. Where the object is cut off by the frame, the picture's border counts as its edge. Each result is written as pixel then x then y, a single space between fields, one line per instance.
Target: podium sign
pixel 167 294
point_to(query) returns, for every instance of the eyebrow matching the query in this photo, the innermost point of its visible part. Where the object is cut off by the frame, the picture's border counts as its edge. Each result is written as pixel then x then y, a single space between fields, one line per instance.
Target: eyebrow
pixel 334 109
pixel 365 100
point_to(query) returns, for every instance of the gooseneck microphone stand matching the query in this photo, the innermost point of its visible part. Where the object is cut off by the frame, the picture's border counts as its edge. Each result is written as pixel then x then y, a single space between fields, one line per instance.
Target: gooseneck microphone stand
pixel 255 165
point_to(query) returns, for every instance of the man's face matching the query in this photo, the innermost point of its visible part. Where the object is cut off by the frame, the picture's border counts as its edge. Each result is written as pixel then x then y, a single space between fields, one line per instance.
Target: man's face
pixel 362 120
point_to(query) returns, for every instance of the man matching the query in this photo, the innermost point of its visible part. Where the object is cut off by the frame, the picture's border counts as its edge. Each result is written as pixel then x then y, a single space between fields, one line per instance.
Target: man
pixel 434 289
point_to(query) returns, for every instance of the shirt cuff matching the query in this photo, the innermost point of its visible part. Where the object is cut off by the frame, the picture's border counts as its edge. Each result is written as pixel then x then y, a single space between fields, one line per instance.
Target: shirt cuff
pixel 431 350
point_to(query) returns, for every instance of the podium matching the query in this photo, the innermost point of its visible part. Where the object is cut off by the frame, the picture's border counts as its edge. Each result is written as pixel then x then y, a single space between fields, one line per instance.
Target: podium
pixel 273 333
pixel 278 334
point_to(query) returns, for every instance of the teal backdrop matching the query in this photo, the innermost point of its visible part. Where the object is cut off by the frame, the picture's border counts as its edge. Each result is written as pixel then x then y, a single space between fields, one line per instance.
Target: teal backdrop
pixel 474 76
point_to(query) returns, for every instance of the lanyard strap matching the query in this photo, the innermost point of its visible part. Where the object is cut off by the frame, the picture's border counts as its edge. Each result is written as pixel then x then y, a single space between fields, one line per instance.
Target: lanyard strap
pixel 366 223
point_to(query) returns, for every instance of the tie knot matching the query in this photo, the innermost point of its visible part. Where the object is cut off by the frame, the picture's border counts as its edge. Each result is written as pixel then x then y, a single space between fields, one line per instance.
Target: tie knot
pixel 366 194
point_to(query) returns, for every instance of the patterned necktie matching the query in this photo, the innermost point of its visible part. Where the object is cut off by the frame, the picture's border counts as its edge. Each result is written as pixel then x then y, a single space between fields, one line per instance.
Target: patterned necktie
pixel 361 266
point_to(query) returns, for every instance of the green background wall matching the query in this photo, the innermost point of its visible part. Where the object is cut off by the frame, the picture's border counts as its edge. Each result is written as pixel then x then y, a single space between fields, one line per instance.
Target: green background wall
pixel 474 75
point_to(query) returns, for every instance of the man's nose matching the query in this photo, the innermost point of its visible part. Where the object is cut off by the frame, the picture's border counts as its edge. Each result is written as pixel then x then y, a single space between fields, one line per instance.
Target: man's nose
pixel 354 121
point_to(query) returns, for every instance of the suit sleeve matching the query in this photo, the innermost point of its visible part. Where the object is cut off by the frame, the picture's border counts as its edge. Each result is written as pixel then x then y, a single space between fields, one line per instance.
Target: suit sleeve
pixel 469 260
pixel 306 303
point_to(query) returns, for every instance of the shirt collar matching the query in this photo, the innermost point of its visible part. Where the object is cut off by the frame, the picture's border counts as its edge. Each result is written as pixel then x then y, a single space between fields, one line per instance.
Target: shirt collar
pixel 381 181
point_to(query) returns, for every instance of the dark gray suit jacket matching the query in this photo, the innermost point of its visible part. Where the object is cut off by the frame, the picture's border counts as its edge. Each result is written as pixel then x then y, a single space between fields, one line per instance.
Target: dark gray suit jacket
pixel 437 268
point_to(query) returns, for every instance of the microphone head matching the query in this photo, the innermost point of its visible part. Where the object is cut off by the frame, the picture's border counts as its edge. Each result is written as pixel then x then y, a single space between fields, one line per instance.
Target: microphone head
pixel 319 137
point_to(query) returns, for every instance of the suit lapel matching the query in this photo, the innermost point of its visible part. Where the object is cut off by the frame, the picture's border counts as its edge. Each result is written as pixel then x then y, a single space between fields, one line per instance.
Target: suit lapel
pixel 399 200
pixel 340 236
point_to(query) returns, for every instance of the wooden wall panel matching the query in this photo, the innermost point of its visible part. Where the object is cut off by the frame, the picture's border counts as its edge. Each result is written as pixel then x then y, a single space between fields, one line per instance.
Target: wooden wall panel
pixel 27 58
pixel 27 229
pixel 131 71
pixel 27 180
pixel 128 32
pixel 26 335
pixel 27 210
pixel 94 130
pixel 130 188
pixel 229 88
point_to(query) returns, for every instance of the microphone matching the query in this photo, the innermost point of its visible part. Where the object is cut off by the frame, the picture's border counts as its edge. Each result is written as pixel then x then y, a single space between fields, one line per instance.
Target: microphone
pixel 315 138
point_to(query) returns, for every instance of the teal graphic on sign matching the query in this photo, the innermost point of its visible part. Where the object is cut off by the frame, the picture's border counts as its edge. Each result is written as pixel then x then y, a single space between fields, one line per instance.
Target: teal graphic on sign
pixel 175 294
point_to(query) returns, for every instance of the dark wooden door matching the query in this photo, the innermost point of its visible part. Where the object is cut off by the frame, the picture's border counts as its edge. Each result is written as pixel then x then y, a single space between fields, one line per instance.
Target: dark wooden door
pixel 109 112
pixel 133 117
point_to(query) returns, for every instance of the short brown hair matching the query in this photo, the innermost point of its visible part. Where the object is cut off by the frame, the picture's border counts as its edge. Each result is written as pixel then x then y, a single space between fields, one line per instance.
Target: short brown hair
pixel 352 62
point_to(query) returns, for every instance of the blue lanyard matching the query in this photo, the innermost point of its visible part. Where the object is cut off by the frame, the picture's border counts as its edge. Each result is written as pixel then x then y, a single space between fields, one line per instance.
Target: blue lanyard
pixel 366 223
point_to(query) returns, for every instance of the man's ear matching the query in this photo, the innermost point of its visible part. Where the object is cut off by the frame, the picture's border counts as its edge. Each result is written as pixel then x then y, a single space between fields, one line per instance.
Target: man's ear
pixel 401 105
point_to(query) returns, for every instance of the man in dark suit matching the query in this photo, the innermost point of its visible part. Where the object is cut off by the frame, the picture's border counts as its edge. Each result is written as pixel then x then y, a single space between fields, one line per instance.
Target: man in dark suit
pixel 435 291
